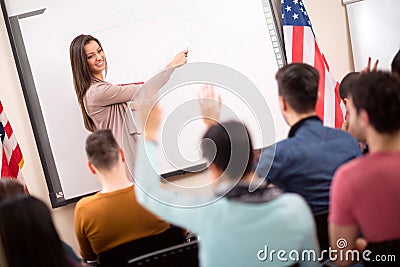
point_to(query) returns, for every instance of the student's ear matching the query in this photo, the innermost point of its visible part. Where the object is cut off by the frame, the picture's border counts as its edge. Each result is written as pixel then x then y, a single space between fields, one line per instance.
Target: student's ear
pixel 345 101
pixel 122 154
pixel 282 103
pixel 91 168
pixel 364 118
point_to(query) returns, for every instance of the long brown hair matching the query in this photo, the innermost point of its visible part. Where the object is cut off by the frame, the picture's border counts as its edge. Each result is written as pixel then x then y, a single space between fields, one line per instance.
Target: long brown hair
pixel 81 73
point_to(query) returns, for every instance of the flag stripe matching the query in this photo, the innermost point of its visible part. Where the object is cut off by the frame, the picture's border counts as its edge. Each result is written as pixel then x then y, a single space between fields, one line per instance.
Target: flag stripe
pixel 8 130
pixel 288 35
pixel 308 44
pixel 338 109
pixel 297 50
pixel 319 65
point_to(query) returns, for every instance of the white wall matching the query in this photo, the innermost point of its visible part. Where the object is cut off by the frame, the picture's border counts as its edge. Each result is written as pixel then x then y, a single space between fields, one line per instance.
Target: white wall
pixel 331 29
pixel 330 25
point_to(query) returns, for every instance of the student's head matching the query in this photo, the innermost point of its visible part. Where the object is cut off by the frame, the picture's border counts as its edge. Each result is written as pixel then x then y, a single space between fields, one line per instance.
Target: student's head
pixel 228 147
pixel 28 235
pixel 103 151
pixel 346 84
pixel 298 88
pixel 375 104
pixel 87 60
pixel 10 187
pixel 396 63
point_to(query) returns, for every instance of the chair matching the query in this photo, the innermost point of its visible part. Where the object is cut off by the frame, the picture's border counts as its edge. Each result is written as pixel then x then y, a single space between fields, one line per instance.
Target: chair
pixel 119 256
pixel 387 250
pixel 183 255
pixel 321 222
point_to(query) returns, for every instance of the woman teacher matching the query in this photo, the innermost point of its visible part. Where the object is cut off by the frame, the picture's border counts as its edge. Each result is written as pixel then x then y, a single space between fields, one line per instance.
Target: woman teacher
pixel 104 105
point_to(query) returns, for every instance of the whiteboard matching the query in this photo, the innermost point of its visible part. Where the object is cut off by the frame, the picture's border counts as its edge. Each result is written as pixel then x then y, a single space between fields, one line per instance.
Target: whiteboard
pixel 238 41
pixel 374 30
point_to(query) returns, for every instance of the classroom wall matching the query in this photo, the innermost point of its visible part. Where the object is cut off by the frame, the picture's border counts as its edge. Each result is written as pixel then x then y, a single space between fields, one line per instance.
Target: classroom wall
pixel 13 102
pixel 330 25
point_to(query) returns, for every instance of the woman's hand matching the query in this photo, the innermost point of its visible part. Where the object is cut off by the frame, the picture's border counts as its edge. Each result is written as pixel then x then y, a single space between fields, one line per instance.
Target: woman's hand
pixel 179 59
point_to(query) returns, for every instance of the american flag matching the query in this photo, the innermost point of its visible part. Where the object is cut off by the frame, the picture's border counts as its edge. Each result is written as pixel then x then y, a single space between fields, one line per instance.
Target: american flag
pixel 11 156
pixel 301 46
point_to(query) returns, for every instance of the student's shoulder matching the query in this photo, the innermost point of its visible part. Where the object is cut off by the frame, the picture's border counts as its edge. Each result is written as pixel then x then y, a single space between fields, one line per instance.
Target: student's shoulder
pixel 339 133
pixel 293 200
pixel 351 168
pixel 295 207
pixel 86 201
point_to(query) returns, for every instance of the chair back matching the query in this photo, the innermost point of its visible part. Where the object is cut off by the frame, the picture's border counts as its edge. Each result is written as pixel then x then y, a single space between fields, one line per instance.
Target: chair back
pixel 321 222
pixel 183 255
pixel 120 255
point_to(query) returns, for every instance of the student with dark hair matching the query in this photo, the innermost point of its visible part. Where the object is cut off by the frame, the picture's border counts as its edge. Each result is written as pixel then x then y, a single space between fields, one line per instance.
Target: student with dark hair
pixel 28 234
pixel 238 225
pixel 345 90
pixel 113 217
pixel 305 162
pixel 10 187
pixel 396 63
pixel 365 191
pixel 344 87
pixel 104 105
pixel 345 84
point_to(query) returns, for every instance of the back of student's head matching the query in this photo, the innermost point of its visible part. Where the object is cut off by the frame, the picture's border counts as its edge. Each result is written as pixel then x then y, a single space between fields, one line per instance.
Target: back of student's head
pixel 228 146
pixel 396 63
pixel 298 85
pixel 28 235
pixel 346 84
pixel 102 149
pixel 379 94
pixel 10 187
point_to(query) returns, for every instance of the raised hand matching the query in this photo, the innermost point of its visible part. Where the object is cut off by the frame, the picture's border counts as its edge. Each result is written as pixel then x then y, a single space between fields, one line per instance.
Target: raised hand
pixel 368 67
pixel 210 105
pixel 179 59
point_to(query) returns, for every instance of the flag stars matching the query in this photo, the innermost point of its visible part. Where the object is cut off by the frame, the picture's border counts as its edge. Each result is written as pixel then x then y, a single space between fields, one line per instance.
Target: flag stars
pixel 283 16
pixel 295 2
pixel 295 16
pixel 301 3
pixel 282 1
pixel 288 8
pixel 305 13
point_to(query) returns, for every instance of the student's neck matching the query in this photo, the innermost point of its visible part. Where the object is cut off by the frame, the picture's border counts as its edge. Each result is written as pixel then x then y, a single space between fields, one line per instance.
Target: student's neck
pixel 383 142
pixel 296 117
pixel 114 180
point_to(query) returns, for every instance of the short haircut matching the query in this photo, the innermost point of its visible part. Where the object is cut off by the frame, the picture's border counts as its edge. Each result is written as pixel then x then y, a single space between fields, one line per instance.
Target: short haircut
pixel 298 85
pixel 379 94
pixel 102 149
pixel 228 146
pixel 396 63
pixel 346 84
pixel 10 187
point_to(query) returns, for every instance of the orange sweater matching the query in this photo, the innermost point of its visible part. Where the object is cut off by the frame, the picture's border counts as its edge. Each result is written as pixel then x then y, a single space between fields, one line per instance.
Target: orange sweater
pixel 106 220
